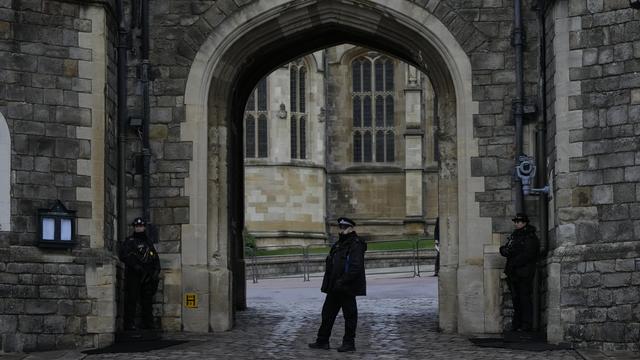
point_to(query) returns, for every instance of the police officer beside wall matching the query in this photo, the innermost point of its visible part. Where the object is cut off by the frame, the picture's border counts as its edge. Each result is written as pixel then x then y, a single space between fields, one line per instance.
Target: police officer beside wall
pixel 344 279
pixel 142 271
pixel 521 251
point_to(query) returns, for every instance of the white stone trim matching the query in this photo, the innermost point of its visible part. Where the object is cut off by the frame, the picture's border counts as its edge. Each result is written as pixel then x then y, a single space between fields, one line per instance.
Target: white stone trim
pixel 565 59
pixel 566 120
pixel 96 70
pixel 5 175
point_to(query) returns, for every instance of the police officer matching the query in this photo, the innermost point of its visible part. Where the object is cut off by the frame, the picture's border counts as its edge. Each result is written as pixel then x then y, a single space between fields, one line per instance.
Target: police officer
pixel 344 279
pixel 436 238
pixel 142 270
pixel 521 251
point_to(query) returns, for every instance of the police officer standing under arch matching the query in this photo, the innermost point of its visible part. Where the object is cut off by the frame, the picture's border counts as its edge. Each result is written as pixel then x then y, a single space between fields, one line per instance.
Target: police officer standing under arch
pixel 344 279
pixel 142 271
pixel 521 251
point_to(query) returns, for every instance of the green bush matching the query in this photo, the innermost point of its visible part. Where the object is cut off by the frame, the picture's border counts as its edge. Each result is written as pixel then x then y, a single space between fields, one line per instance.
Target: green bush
pixel 249 242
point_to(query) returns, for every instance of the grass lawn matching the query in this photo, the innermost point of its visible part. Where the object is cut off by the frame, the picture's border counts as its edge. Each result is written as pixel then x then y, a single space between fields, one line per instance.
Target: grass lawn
pixel 396 245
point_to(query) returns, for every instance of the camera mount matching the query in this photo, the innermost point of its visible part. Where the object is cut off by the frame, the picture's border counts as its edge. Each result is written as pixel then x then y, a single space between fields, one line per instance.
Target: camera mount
pixel 526 170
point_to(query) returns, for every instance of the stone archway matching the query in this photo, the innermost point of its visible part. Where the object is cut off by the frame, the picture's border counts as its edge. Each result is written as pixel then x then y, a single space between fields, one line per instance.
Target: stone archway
pixel 264 34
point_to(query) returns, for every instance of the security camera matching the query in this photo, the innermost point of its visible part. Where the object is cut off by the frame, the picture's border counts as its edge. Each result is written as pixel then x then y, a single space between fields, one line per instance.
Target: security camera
pixel 526 169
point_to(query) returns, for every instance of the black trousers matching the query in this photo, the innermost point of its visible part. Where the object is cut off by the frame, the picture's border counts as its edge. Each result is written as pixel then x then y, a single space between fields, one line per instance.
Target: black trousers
pixel 332 305
pixel 138 291
pixel 521 289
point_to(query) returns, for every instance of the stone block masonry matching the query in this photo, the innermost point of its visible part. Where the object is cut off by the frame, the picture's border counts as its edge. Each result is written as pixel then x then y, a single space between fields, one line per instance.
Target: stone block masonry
pixel 57 97
pixel 595 123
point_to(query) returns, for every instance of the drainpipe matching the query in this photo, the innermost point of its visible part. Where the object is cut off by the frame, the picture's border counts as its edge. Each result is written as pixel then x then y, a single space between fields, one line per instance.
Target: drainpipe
pixel 541 130
pixel 518 103
pixel 123 35
pixel 146 151
pixel 325 89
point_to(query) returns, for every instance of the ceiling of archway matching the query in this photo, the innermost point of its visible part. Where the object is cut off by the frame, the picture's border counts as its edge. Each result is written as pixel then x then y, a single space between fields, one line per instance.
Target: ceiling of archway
pixel 291 31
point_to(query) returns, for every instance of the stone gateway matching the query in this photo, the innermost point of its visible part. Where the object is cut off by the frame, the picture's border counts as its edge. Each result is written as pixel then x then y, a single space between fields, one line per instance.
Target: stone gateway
pixel 127 108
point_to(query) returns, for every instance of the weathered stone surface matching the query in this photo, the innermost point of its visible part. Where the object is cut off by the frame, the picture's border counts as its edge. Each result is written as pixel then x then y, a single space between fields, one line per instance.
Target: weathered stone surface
pixel 616 280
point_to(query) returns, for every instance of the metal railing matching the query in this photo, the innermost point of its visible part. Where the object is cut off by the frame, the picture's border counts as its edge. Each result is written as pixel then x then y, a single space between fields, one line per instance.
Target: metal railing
pixel 302 257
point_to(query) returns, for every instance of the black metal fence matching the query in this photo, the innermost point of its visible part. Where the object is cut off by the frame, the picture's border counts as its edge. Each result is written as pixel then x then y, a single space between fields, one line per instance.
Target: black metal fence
pixel 308 261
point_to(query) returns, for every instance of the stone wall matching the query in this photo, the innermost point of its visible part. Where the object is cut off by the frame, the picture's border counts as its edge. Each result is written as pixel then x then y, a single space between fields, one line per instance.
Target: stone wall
pixel 594 264
pixel 285 198
pixel 57 96
pixel 56 92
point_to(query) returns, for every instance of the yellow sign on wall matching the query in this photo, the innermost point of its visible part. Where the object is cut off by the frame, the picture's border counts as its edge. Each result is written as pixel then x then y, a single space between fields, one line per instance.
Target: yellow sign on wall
pixel 191 300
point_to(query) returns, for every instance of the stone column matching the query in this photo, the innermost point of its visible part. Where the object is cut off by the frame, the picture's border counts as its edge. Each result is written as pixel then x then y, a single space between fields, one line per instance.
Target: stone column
pixel 563 217
pixel 100 276
pixel 413 144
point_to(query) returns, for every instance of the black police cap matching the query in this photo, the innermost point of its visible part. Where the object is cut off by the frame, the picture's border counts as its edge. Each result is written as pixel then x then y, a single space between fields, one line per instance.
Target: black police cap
pixel 521 217
pixel 138 221
pixel 346 221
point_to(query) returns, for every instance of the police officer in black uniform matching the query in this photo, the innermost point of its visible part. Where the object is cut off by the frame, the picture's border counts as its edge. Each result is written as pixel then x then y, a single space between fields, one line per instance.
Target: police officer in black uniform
pixel 521 251
pixel 142 271
pixel 344 279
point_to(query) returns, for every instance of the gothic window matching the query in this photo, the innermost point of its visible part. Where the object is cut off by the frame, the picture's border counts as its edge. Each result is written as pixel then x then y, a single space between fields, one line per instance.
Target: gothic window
pixel 250 137
pixel 294 137
pixel 298 107
pixel 373 109
pixel 263 150
pixel 303 137
pixel 367 146
pixel 357 146
pixel 390 140
pixel 379 145
pixel 256 126
pixel 5 174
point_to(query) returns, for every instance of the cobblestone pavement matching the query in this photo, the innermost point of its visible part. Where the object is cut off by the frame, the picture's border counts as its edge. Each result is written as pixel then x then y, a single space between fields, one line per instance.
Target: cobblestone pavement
pixel 398 320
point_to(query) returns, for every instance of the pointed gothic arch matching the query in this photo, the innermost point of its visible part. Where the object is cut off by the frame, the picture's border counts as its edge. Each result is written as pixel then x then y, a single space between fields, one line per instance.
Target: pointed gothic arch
pixel 212 263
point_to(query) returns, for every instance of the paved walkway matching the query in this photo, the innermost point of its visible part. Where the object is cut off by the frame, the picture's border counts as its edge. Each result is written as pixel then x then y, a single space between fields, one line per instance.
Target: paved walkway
pixel 396 321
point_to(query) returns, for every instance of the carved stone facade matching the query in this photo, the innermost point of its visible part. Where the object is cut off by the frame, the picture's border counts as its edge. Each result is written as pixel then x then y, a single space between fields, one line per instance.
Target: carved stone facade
pixel 58 98
pixel 357 150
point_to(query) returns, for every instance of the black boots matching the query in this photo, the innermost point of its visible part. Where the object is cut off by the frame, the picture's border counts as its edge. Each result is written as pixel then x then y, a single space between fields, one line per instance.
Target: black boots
pixel 319 345
pixel 347 346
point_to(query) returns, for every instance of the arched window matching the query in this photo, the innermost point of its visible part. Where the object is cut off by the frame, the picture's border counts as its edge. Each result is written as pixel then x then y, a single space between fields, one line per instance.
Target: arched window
pixel 5 174
pixel 373 109
pixel 379 146
pixel 298 106
pixel 256 132
pixel 357 146
pixel 366 148
pixel 250 137
pixel 390 146
pixel 303 137
pixel 263 141
pixel 357 111
pixel 294 137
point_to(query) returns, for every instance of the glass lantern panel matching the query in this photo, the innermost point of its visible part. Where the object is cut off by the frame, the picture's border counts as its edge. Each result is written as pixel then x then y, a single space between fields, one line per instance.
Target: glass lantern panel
pixel 65 229
pixel 48 229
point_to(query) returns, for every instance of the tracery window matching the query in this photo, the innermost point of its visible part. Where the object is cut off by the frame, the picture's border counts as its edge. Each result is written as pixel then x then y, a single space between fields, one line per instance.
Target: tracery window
pixel 256 126
pixel 297 105
pixel 373 109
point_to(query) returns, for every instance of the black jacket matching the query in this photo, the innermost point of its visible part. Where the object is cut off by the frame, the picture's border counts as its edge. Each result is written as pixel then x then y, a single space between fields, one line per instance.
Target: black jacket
pixel 344 270
pixel 140 257
pixel 521 251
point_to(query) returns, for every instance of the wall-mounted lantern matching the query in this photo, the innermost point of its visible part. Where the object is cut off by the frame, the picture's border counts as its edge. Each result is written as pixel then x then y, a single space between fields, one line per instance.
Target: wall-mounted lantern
pixel 635 4
pixel 56 227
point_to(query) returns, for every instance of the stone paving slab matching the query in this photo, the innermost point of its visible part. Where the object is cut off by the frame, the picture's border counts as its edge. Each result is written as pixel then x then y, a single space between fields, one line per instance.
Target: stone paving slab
pixel 398 320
